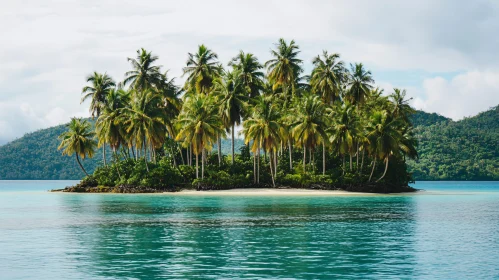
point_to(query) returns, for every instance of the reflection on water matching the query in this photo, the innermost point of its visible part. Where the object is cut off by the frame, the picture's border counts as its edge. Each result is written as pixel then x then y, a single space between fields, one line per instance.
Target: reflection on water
pixel 152 236
pixel 190 237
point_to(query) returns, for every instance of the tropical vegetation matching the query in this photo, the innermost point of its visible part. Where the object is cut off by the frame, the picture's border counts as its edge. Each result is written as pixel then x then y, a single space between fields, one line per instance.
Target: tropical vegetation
pixel 447 149
pixel 332 128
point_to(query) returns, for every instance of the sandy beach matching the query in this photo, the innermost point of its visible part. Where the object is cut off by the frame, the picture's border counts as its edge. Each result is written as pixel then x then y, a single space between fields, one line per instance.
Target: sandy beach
pixel 271 192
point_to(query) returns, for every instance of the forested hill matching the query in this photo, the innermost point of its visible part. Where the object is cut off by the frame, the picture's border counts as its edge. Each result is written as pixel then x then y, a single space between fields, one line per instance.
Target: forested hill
pixel 463 150
pixel 35 157
pixel 427 119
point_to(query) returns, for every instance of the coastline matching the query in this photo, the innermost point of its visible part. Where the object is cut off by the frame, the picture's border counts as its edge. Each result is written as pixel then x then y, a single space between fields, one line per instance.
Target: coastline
pixel 270 192
pixel 285 191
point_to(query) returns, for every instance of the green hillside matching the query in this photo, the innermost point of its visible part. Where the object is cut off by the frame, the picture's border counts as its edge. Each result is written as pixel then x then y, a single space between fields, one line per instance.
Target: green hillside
pixel 35 157
pixel 463 150
pixel 427 119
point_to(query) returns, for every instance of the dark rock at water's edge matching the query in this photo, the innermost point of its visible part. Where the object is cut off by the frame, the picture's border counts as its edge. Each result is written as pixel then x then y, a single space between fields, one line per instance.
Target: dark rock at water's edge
pixel 378 188
pixel 367 187
pixel 90 186
pixel 117 189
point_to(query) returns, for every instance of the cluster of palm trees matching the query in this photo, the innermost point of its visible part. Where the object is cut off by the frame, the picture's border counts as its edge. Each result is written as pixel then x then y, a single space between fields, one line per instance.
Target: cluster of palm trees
pixel 336 109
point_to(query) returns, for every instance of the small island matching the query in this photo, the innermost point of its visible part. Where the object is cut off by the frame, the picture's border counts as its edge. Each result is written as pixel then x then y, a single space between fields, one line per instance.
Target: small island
pixel 332 129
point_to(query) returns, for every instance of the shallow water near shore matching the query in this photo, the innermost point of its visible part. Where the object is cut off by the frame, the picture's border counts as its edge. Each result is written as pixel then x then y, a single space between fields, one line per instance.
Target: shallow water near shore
pixel 454 234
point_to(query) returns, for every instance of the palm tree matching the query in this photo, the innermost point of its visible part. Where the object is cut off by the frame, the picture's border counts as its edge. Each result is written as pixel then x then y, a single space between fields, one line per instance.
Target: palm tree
pixel 144 121
pixel 308 125
pixel 232 98
pixel 248 72
pixel 108 127
pixel 376 101
pixel 100 86
pixel 344 130
pixel 264 129
pixel 388 137
pixel 170 100
pixel 328 76
pixel 360 83
pixel 199 125
pixel 284 68
pixel 202 68
pixel 401 107
pixel 283 72
pixel 78 140
pixel 144 74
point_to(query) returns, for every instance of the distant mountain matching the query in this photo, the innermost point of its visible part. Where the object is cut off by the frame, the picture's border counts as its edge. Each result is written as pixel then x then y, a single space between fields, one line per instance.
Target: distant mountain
pixel 35 157
pixel 462 150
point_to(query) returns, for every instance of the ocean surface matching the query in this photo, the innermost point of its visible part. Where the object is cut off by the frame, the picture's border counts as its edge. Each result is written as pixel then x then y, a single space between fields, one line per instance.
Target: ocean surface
pixel 450 231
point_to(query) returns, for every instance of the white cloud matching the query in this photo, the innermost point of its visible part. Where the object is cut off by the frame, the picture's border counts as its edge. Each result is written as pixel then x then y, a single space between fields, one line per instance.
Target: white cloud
pixel 464 95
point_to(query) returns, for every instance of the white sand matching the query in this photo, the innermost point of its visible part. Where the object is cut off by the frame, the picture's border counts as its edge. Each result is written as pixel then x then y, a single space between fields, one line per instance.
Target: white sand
pixel 271 192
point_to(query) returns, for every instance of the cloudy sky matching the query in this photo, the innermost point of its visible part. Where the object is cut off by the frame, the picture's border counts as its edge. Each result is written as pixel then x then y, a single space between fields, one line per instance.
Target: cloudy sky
pixel 445 55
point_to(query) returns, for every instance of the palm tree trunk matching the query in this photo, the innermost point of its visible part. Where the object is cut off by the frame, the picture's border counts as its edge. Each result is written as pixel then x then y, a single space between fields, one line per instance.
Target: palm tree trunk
pixel 386 168
pixel 117 159
pixel 145 156
pixel 304 158
pixel 173 156
pixel 133 153
pixel 192 157
pixel 81 166
pixel 197 166
pixel 232 143
pixel 372 171
pixel 271 169
pixel 362 163
pixel 203 159
pixel 323 158
pixel 357 166
pixel 219 141
pixel 275 163
pixel 290 148
pixel 153 151
pixel 104 153
pixel 258 167
pixel 350 162
pixel 343 164
pixel 254 168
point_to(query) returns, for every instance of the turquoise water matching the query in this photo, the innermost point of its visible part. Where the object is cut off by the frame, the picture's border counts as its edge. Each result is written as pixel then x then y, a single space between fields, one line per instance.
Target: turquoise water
pixel 451 231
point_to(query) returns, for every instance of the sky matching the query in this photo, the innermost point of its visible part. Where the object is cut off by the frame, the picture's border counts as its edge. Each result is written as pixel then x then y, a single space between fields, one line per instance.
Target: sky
pixel 443 53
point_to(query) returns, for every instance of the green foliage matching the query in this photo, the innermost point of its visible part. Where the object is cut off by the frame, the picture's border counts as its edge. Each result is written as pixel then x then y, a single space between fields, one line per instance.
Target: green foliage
pixel 188 172
pixel 162 176
pixel 131 172
pixel 222 180
pixel 463 150
pixel 307 180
